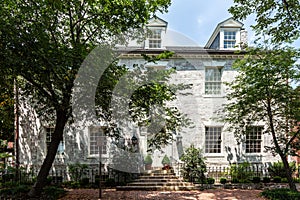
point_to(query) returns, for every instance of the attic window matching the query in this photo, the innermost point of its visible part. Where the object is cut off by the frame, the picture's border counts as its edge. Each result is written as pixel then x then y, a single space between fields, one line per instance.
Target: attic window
pixel 155 39
pixel 229 39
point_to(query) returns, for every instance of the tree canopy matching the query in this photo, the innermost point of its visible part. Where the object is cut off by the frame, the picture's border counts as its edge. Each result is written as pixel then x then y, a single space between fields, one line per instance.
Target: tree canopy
pixel 262 95
pixel 45 42
pixel 279 19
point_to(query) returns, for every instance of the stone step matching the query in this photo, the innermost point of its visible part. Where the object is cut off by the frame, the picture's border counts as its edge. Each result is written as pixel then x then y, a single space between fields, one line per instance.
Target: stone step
pixel 155 188
pixel 158 175
pixel 157 179
pixel 159 172
pixel 162 180
pixel 159 184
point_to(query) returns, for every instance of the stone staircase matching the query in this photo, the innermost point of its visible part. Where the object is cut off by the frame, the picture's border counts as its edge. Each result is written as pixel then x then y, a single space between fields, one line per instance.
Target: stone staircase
pixel 162 180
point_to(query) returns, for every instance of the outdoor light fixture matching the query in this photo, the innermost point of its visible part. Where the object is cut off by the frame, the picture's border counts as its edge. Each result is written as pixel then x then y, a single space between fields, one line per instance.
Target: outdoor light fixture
pixel 134 140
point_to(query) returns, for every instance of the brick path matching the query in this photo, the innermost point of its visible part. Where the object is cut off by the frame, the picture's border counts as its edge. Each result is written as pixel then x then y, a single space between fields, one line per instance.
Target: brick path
pixel 218 194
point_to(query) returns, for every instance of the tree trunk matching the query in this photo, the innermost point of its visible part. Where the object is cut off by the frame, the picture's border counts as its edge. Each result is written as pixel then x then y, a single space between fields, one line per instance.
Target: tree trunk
pixel 288 171
pixel 283 157
pixel 57 136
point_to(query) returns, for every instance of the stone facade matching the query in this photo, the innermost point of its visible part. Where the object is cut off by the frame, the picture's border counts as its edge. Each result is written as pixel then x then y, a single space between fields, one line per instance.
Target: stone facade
pixel 204 69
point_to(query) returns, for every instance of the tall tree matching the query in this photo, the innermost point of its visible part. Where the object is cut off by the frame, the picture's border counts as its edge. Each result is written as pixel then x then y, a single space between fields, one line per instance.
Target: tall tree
pixel 279 19
pixel 262 93
pixel 7 108
pixel 142 96
pixel 45 42
pixel 279 22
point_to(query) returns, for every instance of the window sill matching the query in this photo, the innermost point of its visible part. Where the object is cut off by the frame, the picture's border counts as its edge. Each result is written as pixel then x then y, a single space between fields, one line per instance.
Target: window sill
pixel 214 155
pixel 214 96
pixel 253 154
pixel 97 156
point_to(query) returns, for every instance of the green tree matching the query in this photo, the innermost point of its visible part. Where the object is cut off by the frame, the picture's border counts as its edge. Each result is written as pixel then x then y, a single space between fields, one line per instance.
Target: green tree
pixel 277 169
pixel 262 92
pixel 279 19
pixel 194 165
pixel 143 92
pixel 6 108
pixel 45 42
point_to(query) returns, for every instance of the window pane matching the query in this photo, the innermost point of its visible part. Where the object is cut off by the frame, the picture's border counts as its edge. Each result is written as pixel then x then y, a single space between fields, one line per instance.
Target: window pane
pixel 49 133
pixel 96 134
pixel 213 139
pixel 253 139
pixel 213 80
pixel 155 39
pixel 229 39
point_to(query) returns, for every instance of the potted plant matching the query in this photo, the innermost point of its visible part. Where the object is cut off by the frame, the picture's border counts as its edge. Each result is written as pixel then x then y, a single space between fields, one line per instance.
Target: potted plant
pixel 148 162
pixel 166 163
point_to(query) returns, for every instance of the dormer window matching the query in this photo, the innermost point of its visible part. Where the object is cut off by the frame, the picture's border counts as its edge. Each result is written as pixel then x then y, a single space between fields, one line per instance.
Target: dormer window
pixel 229 39
pixel 155 38
pixel 228 35
pixel 156 32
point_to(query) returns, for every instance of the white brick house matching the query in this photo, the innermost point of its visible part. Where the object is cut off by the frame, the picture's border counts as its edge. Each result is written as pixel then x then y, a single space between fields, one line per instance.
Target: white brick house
pixel 205 69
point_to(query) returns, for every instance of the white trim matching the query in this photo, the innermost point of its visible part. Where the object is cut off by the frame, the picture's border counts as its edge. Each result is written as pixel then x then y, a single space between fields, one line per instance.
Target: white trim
pixel 229 24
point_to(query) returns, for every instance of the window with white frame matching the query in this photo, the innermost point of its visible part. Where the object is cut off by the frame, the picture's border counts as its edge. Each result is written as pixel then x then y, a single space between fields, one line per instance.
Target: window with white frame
pixel 253 139
pixel 229 39
pixel 49 134
pixel 213 139
pixel 98 141
pixel 213 81
pixel 155 38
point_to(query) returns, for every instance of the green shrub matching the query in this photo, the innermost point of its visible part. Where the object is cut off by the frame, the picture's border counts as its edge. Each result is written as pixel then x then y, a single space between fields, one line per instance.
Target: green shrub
pixel 148 160
pixel 277 179
pixel 202 181
pixel 84 182
pixel 284 180
pixel 110 182
pixel 235 180
pixel 210 180
pixel 165 160
pixel 296 180
pixel 53 192
pixel 15 190
pixel 195 166
pixel 77 171
pixel 277 169
pixel 223 180
pixel 241 172
pixel 281 193
pixel 256 179
pixel 266 179
pixel 71 184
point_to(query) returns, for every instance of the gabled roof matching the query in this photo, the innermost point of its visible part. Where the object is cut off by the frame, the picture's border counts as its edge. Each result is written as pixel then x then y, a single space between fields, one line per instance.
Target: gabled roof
pixel 228 23
pixel 157 22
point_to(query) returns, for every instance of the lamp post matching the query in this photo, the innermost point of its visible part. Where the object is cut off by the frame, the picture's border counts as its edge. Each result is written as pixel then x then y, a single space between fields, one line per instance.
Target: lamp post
pixel 101 143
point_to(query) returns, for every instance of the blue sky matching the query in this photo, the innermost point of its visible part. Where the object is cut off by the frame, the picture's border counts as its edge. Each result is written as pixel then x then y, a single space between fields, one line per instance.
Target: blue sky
pixel 197 19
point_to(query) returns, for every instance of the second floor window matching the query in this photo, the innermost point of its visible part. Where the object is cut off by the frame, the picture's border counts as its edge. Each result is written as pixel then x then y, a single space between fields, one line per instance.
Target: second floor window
pixel 229 39
pixel 155 39
pixel 213 80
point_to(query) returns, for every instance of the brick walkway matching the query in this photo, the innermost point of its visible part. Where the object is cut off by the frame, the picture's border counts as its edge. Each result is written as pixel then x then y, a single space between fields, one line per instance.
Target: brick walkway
pixel 218 194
